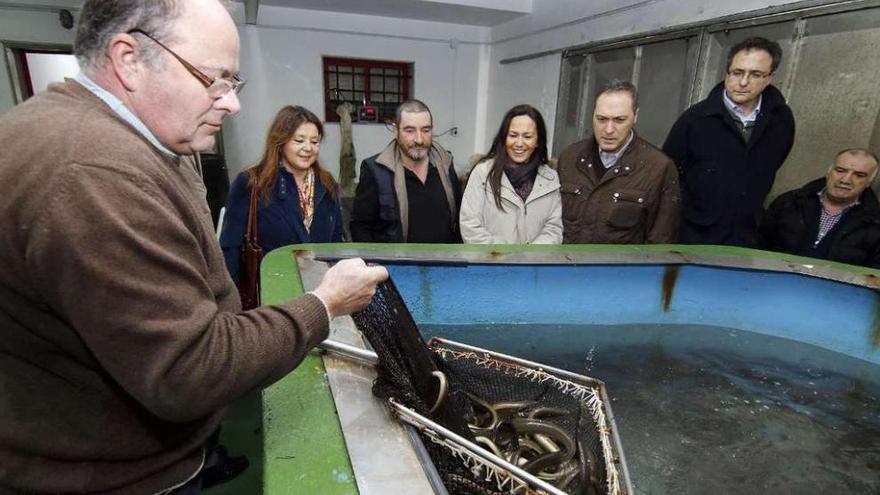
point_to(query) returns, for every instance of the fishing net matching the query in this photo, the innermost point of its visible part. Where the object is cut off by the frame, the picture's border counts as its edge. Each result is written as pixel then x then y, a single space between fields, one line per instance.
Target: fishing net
pixel 492 423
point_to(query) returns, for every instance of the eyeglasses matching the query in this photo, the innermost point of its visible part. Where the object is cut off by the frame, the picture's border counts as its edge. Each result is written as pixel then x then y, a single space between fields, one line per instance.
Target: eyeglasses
pixel 217 86
pixel 750 75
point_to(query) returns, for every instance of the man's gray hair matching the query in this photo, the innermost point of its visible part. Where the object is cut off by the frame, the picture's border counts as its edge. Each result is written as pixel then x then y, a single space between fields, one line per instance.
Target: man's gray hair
pixel 100 20
pixel 864 152
pixel 619 86
pixel 411 106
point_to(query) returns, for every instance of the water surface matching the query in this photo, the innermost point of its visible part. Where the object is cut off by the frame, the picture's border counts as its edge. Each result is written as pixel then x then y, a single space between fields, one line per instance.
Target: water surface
pixel 708 410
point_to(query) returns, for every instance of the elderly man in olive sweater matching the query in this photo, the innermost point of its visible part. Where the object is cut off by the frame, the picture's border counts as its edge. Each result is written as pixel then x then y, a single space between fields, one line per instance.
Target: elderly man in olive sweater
pixel 123 340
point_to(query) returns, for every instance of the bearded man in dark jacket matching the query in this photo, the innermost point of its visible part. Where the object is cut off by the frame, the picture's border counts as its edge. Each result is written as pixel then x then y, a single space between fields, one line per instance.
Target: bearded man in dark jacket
pixel 409 192
pixel 836 217
pixel 729 146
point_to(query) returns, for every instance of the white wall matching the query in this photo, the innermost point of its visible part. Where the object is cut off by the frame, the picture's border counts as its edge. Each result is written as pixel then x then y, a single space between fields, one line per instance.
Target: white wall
pixel 457 67
pixel 281 58
pixel 22 26
pixel 531 81
pixel 558 24
pixel 47 68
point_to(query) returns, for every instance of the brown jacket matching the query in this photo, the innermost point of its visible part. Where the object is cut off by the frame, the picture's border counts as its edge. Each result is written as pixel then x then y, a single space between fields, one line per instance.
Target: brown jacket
pixel 122 340
pixel 637 201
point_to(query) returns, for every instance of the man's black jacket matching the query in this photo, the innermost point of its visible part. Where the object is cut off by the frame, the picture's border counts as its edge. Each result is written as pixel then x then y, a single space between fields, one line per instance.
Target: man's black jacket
pixel 724 179
pixel 791 223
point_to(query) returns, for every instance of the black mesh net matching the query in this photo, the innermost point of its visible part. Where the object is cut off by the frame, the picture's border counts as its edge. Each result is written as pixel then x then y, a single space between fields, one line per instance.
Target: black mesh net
pixel 552 427
pixel 406 367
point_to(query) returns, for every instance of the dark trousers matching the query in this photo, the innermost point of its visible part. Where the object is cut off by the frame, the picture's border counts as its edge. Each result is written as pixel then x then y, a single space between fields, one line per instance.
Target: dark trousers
pixel 194 486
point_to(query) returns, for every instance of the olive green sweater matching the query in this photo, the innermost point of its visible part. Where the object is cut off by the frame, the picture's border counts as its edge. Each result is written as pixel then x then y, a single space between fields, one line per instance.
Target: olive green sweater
pixel 122 337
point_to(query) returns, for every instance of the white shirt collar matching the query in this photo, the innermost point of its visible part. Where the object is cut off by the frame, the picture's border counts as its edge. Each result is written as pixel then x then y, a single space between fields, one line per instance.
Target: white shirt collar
pixel 120 109
pixel 609 158
pixel 739 112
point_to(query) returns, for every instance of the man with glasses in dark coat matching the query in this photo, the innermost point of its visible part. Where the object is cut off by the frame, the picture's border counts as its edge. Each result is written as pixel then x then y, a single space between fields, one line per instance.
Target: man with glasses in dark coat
pixel 729 146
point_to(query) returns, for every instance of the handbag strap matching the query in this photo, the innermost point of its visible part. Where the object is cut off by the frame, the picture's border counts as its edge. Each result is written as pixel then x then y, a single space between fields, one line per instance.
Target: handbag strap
pixel 251 233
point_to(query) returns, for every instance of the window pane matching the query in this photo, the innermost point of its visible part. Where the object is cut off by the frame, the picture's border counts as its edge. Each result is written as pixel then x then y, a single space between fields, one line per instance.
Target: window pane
pixel 721 42
pixel 665 72
pixel 569 116
pixel 386 111
pixel 344 81
pixel 833 94
pixel 384 88
pixel 391 83
pixel 605 66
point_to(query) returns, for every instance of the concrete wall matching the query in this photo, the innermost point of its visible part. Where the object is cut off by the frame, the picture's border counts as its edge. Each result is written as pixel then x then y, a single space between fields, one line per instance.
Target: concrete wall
pixel 281 58
pixel 457 67
pixel 27 27
pixel 558 24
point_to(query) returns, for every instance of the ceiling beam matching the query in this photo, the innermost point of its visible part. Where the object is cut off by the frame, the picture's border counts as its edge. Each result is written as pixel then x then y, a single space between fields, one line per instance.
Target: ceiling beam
pixel 35 7
pixel 251 8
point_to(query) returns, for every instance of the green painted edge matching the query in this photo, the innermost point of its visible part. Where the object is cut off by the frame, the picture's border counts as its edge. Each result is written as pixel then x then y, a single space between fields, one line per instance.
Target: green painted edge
pixel 587 248
pixel 304 450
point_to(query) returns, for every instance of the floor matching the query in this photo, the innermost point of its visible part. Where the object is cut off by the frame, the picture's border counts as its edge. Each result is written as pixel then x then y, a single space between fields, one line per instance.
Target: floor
pixel 241 434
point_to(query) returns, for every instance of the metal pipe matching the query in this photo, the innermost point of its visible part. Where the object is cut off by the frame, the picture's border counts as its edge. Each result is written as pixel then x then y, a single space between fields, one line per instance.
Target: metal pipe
pixel 349 351
pixel 612 423
pixel 413 418
pixel 581 379
pixel 425 459
pixel 418 420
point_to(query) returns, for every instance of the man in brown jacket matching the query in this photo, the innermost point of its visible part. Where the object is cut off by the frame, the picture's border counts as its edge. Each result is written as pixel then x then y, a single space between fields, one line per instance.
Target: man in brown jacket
pixel 122 336
pixel 618 188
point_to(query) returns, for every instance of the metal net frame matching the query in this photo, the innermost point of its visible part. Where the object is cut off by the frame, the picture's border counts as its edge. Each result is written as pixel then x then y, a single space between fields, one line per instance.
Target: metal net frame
pixel 587 390
pixel 539 429
pixel 483 465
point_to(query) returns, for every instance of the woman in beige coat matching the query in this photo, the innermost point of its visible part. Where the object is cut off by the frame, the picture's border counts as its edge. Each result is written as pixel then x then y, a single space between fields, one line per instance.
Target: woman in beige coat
pixel 512 195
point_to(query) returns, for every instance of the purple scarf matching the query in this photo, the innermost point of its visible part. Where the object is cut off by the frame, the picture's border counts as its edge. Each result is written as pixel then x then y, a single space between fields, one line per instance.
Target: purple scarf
pixel 522 175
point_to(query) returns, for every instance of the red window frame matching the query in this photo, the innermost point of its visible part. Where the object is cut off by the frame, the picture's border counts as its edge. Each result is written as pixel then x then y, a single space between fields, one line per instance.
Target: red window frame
pixel 385 109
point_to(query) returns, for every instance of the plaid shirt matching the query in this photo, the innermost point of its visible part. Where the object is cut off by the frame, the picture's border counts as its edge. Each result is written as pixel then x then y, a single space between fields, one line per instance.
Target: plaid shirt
pixel 827 221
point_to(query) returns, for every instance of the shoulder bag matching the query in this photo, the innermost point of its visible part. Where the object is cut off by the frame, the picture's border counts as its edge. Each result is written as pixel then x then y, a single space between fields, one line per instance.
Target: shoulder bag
pixel 251 255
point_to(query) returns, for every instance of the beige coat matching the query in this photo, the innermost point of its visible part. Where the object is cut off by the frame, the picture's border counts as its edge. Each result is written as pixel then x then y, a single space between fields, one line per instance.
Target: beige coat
pixel 537 220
